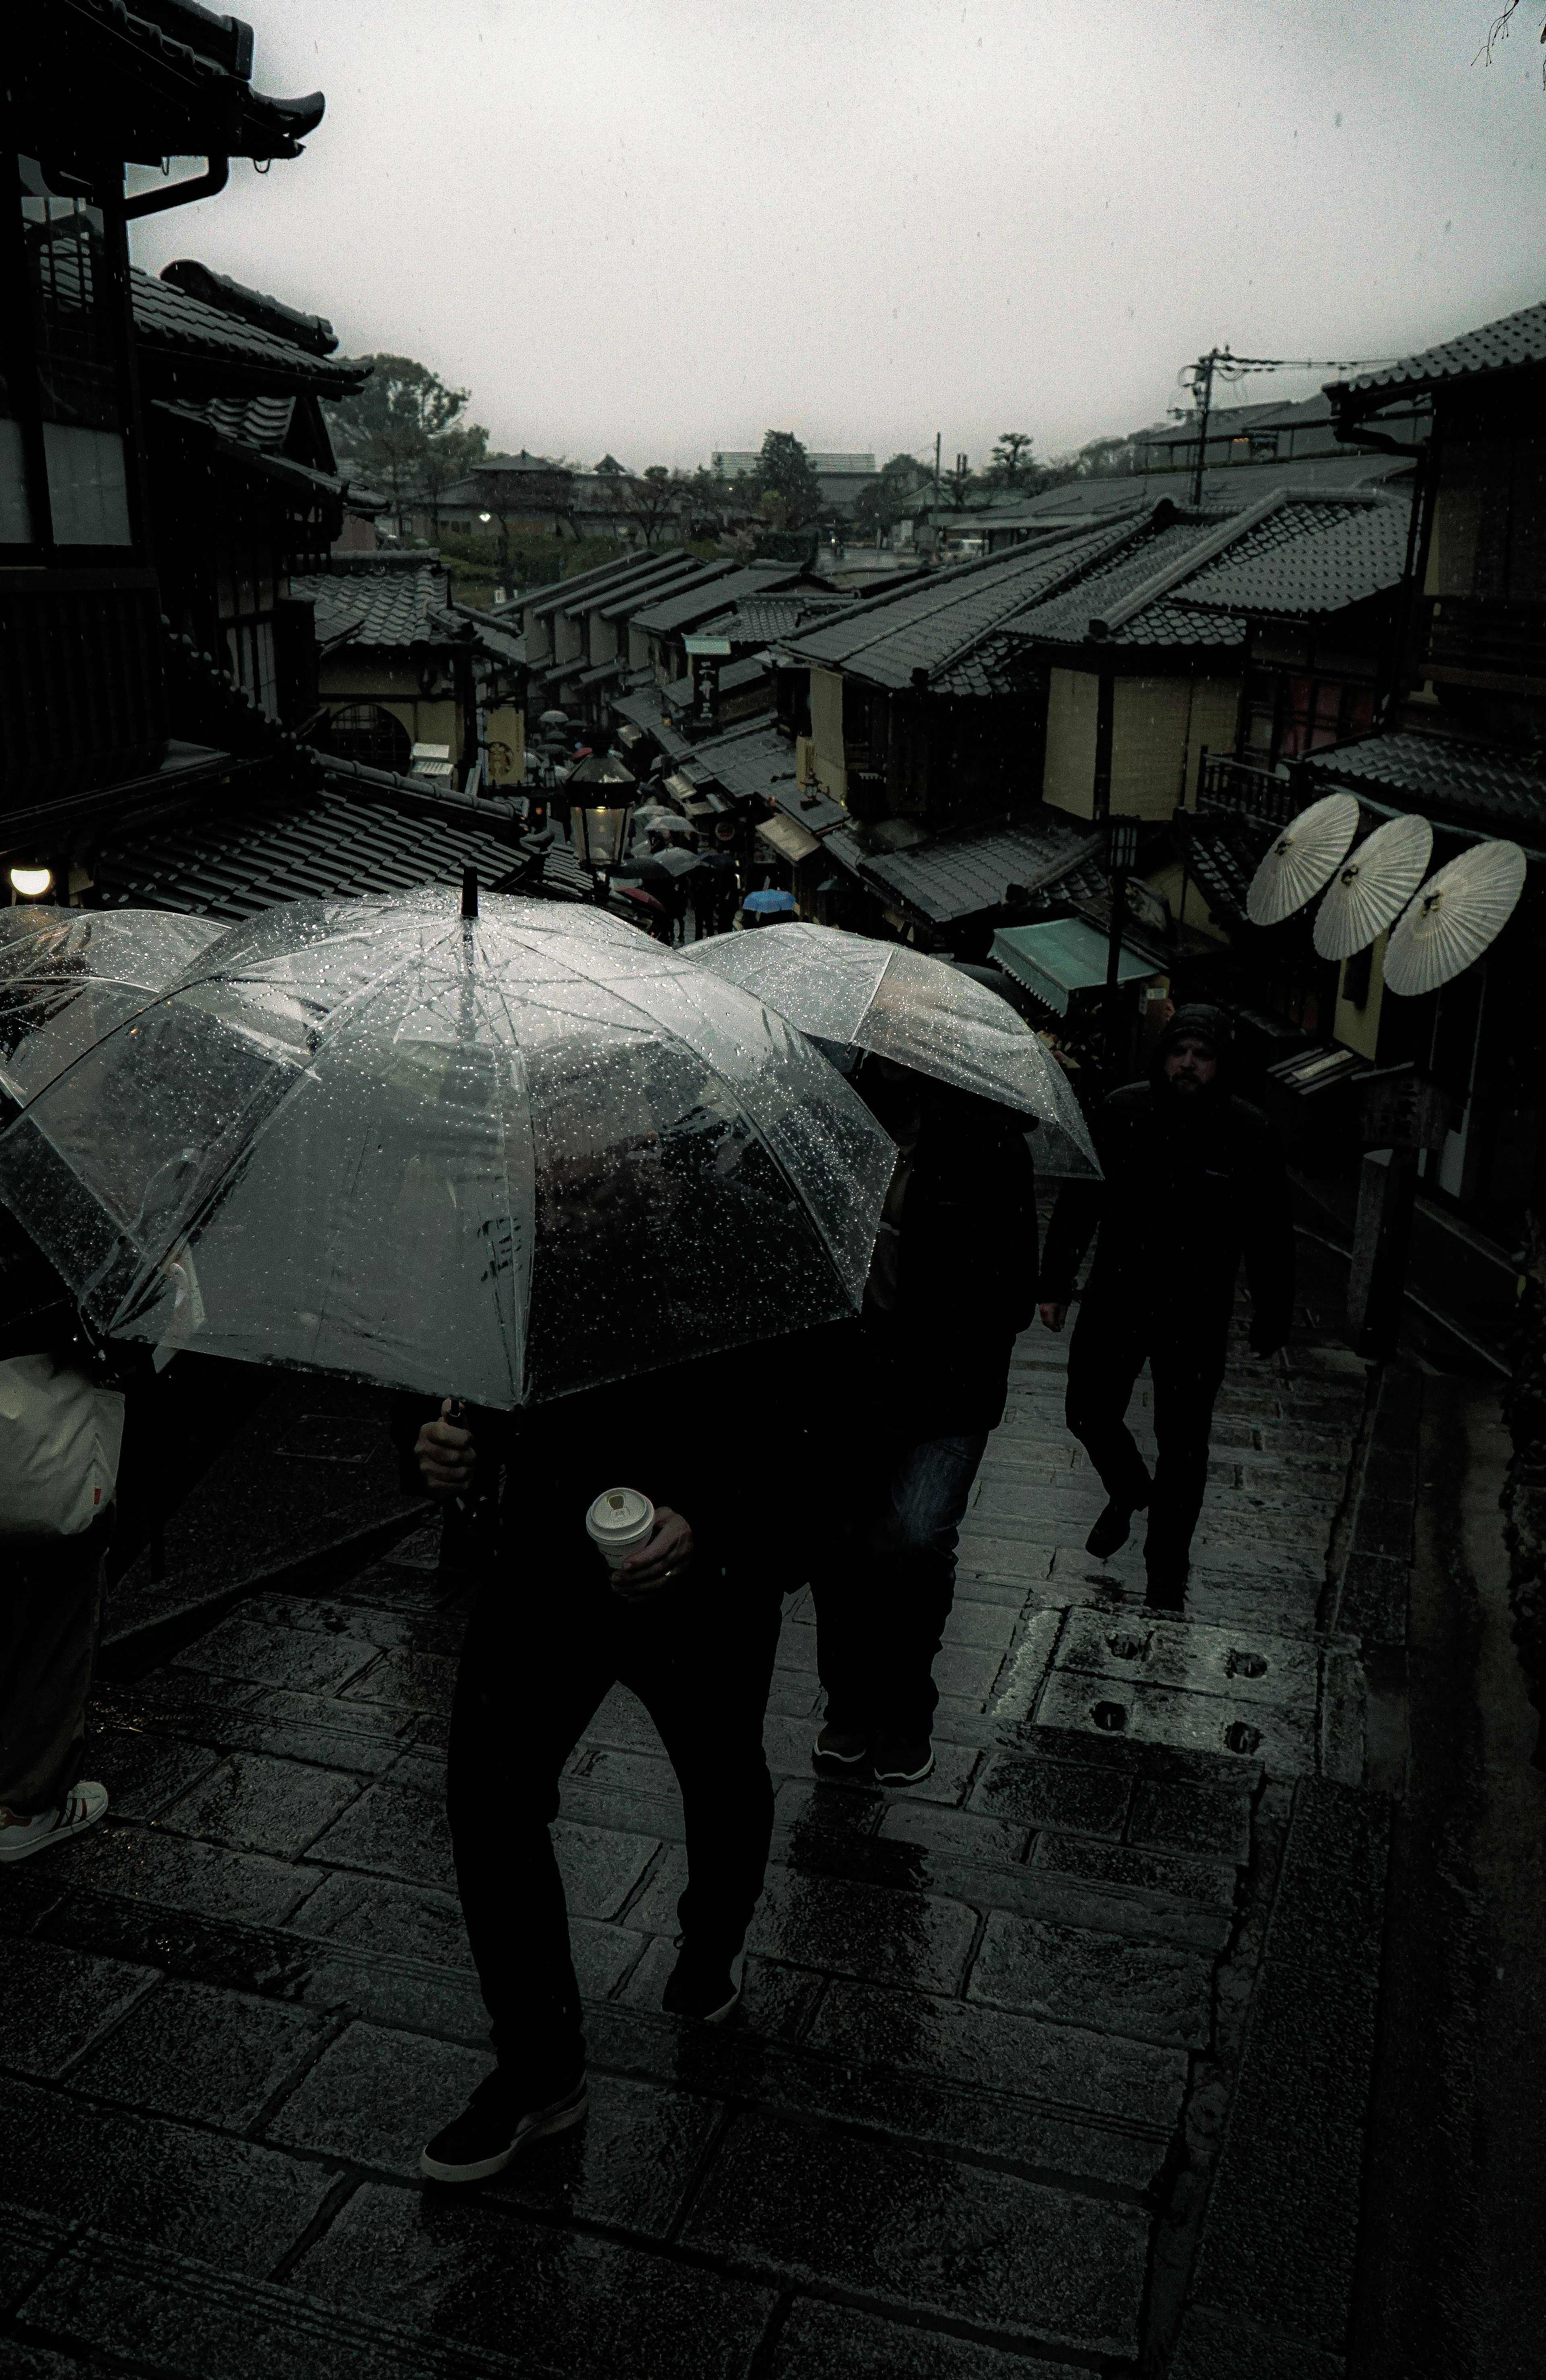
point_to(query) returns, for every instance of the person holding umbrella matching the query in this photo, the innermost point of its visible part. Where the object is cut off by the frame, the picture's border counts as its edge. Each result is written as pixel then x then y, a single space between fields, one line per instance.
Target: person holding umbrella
pixel 525 1156
pixel 957 1076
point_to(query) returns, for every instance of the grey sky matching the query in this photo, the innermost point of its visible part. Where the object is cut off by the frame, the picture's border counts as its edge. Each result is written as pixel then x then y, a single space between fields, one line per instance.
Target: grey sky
pixel 657 226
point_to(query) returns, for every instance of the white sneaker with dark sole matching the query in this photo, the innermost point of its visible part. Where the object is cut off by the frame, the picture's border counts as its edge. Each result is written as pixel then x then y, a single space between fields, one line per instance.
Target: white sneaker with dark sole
pixel 80 1808
pixel 904 1764
pixel 481 2141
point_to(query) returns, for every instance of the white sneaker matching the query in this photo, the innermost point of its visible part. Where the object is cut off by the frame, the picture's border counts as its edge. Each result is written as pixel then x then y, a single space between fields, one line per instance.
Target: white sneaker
pixel 81 1807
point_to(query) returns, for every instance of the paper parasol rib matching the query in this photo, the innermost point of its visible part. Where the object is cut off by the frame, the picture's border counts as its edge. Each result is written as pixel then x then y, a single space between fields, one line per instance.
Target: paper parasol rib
pixel 1374 886
pixel 1454 918
pixel 1307 852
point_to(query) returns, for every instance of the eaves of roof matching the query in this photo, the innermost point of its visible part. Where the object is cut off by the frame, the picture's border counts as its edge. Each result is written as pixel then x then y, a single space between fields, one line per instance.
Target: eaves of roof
pixel 684 609
pixel 567 593
pixel 1510 343
pixel 1481 782
pixel 177 334
pixel 162 80
pixel 963 876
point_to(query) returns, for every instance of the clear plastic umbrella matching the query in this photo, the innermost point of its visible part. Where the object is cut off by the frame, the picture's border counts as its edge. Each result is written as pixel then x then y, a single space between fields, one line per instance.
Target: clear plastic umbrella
pixel 70 976
pixel 504 1156
pixel 845 988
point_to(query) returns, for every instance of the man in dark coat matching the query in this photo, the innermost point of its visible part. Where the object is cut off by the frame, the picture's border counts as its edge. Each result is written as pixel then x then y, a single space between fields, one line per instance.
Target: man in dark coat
pixel 690 1624
pixel 952 1285
pixel 1194 1182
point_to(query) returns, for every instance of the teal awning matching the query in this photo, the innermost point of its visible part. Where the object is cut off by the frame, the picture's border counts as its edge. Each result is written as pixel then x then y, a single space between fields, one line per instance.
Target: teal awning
pixel 1063 956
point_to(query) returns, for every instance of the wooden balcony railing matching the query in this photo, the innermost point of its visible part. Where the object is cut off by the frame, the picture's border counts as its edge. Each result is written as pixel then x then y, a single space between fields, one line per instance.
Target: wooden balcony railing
pixel 1241 791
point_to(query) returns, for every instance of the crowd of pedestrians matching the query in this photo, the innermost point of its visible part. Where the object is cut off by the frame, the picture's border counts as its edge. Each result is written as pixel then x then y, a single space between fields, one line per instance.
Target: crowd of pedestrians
pixel 681 1602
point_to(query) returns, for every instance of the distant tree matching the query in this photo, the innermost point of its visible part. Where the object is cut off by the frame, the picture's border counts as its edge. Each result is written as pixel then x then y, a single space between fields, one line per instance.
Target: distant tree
pixel 552 490
pixel 706 499
pixel 1103 458
pixel 1011 467
pixel 1501 28
pixel 386 428
pixel 649 500
pixel 783 469
pixel 454 456
pixel 891 496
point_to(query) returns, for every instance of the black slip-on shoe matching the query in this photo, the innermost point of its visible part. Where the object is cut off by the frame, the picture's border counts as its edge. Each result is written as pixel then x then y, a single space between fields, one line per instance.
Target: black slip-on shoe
pixel 1163 1594
pixel 704 1985
pixel 1111 1532
pixel 902 1760
pixel 494 2124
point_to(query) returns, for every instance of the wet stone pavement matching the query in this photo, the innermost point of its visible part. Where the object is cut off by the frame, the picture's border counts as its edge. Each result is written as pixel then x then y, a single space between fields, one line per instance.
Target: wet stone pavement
pixel 965 2121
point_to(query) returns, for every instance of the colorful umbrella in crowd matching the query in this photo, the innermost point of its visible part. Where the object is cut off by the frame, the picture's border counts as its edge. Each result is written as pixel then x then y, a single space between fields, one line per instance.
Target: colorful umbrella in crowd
pixel 507 1155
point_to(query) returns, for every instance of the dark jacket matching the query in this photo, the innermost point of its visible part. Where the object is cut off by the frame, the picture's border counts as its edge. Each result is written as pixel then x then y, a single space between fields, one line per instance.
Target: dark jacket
pixel 967 1272
pixel 1191 1187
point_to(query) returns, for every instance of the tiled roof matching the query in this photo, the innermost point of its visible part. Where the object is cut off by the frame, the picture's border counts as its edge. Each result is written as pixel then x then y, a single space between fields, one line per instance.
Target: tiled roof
pixel 966 874
pixel 751 759
pixel 168 321
pixel 615 577
pixel 653 570
pixel 253 854
pixel 682 609
pixel 1066 619
pixel 936 624
pixel 1109 495
pixel 385 608
pixel 164 78
pixel 678 574
pixel 263 421
pixel 642 707
pixel 771 619
pixel 1222 854
pixel 1502 345
pixel 811 807
pixel 1442 774
pixel 1361 552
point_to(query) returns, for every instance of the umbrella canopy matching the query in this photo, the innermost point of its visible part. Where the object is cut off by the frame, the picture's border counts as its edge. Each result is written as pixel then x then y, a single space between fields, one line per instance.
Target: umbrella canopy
pixel 769 904
pixel 1378 880
pixel 844 987
pixel 1305 857
pixel 1454 916
pixel 502 1157
pixel 68 976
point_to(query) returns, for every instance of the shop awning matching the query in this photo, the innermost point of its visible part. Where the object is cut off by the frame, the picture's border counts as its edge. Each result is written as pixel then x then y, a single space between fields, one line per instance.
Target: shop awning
pixel 1063 956
pixel 791 841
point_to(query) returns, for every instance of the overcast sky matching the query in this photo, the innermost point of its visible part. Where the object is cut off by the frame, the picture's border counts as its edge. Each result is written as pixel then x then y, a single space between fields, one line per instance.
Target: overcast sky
pixel 655 227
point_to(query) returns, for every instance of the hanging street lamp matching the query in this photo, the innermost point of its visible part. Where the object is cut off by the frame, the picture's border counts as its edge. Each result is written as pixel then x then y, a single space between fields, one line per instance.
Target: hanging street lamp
pixel 601 795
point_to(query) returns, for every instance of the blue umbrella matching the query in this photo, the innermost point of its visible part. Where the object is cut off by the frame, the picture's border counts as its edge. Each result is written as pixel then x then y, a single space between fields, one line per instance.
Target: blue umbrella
pixel 769 904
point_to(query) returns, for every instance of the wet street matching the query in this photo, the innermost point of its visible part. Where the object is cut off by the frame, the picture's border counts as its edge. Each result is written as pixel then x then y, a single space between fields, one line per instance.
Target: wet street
pixel 1034 2060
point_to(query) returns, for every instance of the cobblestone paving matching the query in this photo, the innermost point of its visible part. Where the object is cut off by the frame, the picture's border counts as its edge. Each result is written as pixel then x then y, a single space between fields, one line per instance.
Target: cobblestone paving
pixel 933 2142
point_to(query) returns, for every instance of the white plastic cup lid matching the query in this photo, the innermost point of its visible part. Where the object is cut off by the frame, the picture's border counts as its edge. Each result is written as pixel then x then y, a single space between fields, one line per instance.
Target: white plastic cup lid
pixel 619 1516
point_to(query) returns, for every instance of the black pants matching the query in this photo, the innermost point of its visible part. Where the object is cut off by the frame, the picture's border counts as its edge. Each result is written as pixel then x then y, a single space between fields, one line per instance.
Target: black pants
pixel 884 1591
pixel 537 1662
pixel 50 1621
pixel 1186 1358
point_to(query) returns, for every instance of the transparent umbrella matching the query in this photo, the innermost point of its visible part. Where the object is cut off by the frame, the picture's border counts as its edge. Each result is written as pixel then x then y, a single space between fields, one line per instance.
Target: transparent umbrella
pixel 504 1156
pixel 877 996
pixel 70 976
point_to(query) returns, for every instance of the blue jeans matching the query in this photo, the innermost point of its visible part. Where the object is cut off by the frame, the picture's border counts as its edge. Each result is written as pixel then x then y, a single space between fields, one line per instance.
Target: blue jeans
pixel 883 1594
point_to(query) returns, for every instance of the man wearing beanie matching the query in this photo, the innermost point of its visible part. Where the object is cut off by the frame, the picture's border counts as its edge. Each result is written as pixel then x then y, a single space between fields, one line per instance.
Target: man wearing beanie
pixel 1194 1182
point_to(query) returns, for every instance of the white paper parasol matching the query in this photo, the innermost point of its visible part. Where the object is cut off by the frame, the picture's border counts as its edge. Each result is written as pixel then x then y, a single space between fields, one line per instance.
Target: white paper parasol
pixel 1306 855
pixel 1374 886
pixel 1454 916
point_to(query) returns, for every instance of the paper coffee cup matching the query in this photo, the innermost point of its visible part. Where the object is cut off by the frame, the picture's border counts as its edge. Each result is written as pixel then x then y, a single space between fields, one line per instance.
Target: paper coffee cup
pixel 619 1521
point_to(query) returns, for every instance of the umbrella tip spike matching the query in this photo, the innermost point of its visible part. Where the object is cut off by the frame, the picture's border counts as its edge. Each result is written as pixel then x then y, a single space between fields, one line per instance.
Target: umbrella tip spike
pixel 469 892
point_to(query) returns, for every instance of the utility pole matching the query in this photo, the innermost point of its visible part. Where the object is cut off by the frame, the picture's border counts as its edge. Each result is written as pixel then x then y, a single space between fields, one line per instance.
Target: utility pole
pixel 1202 389
pixel 936 470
